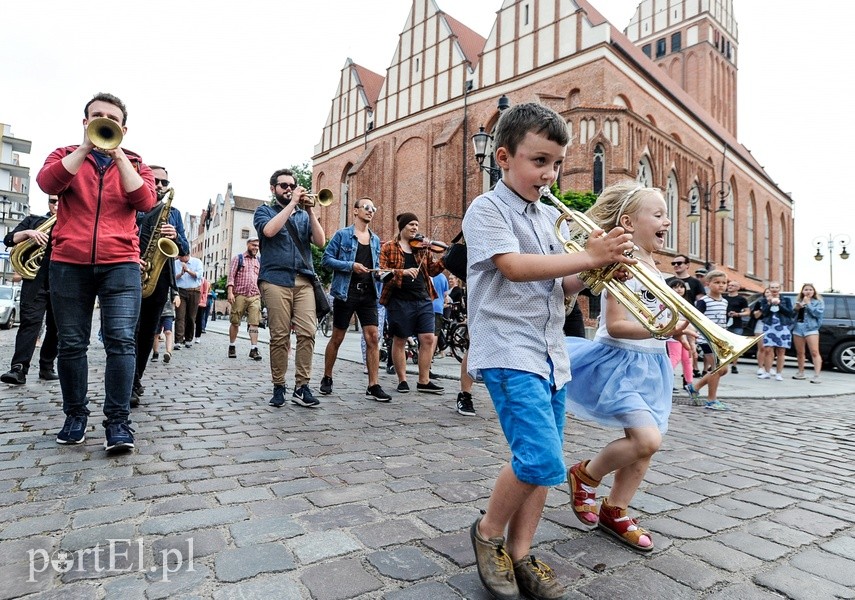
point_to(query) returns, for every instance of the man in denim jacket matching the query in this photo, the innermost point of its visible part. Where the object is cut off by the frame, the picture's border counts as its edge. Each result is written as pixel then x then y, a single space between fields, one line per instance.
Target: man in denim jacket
pixel 353 254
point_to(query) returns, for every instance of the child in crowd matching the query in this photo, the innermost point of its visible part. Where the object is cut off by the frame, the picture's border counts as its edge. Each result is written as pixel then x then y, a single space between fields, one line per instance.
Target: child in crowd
pixel 623 378
pixel 714 306
pixel 678 351
pixel 518 275
pixel 809 310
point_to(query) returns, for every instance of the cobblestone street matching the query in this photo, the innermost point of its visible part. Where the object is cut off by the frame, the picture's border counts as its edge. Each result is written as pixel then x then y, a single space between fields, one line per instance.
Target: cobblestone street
pixel 226 497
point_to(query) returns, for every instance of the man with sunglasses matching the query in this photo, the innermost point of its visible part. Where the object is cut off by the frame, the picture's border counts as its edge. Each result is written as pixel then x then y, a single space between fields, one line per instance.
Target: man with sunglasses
pixel 286 229
pixel 353 254
pixel 35 305
pixel 152 307
pixel 694 288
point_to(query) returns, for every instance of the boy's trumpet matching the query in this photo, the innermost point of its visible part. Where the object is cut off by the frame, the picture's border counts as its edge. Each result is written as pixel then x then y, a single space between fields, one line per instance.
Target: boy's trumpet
pixel 661 324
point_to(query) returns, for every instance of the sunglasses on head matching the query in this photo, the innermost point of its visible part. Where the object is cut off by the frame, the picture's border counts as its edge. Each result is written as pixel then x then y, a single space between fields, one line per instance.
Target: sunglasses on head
pixel 286 186
pixel 163 182
pixel 677 263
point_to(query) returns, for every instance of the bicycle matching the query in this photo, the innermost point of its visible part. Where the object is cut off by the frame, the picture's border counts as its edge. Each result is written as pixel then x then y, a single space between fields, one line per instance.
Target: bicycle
pixel 325 325
pixel 454 335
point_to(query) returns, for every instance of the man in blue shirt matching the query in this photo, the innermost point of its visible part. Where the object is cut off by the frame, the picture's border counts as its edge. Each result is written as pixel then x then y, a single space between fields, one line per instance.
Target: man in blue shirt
pixel 286 228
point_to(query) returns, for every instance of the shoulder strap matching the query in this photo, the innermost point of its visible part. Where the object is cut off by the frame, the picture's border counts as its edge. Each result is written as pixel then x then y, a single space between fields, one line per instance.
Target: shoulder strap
pixel 296 238
pixel 240 262
pixel 457 237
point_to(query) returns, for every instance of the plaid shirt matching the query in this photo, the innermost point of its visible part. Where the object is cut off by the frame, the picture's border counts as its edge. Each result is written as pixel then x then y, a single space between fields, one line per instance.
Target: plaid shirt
pixel 245 281
pixel 392 259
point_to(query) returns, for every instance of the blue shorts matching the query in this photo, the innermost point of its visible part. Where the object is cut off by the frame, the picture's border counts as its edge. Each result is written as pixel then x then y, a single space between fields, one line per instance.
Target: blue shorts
pixel 409 317
pixel 165 324
pixel 531 413
pixel 800 331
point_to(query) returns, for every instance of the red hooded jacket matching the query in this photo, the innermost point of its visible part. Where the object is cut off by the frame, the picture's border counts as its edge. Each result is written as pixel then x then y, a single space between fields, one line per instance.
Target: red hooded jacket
pixel 96 221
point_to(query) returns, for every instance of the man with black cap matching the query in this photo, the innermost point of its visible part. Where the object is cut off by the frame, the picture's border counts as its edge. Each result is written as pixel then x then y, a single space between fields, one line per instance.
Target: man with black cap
pixel 408 295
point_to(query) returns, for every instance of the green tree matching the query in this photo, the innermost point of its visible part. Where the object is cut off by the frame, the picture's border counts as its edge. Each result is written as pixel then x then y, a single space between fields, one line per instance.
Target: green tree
pixel 303 174
pixel 574 200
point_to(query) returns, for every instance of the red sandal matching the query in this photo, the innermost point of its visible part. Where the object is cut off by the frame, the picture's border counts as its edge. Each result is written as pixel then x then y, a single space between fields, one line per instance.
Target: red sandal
pixel 615 522
pixel 583 493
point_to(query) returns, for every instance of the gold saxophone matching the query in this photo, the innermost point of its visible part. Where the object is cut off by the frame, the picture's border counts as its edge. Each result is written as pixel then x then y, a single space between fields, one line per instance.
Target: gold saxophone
pixel 159 249
pixel 26 257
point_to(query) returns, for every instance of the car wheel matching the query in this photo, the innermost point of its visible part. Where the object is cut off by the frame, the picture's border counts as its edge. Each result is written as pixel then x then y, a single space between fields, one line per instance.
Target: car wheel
pixel 843 357
pixel 8 324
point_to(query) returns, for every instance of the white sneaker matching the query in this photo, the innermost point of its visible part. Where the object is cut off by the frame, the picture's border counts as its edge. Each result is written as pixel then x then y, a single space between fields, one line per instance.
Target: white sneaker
pixel 779 377
pixel 764 375
pixel 773 372
pixel 760 371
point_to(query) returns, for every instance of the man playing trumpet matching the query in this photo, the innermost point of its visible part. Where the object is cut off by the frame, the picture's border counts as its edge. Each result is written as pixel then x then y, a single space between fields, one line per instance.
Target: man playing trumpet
pixel 96 254
pixel 285 280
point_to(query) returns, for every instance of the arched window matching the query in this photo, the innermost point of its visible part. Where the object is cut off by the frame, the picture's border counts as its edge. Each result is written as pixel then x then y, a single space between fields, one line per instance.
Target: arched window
pixel 729 225
pixel 599 169
pixel 695 228
pixel 672 202
pixel 645 173
pixel 782 235
pixel 750 267
pixel 767 246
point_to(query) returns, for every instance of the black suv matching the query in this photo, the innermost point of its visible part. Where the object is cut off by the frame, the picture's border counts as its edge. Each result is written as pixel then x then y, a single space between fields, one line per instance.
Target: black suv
pixel 837 332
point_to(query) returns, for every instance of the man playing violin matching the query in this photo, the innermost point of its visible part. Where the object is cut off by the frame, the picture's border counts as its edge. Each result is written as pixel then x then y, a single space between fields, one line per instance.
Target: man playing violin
pixel 408 297
pixel 285 280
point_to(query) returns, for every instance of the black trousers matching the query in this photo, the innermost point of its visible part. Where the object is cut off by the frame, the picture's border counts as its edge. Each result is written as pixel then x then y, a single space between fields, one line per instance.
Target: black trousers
pixel 150 311
pixel 35 307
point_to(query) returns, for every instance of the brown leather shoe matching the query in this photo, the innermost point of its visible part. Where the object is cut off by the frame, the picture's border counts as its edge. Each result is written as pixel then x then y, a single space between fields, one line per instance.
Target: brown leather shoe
pixel 495 567
pixel 536 580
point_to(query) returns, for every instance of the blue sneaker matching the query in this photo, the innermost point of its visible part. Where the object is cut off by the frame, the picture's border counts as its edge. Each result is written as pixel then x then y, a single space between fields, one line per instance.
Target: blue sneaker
pixel 693 394
pixel 716 405
pixel 278 398
pixel 73 431
pixel 120 436
pixel 303 396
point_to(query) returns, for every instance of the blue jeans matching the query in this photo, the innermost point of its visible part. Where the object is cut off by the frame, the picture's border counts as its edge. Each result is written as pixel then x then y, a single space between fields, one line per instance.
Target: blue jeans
pixel 73 291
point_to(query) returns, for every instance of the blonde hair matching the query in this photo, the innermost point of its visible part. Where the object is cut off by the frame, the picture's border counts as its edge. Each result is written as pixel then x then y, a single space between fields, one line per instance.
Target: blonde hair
pixel 619 199
pixel 714 274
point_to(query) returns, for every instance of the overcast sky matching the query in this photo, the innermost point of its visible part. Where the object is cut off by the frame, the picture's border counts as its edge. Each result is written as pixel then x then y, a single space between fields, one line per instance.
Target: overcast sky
pixel 233 93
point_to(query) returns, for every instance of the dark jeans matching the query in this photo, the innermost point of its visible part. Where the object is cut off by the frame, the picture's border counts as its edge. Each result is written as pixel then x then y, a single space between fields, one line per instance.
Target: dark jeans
pixel 201 320
pixel 185 315
pixel 73 290
pixel 150 311
pixel 35 306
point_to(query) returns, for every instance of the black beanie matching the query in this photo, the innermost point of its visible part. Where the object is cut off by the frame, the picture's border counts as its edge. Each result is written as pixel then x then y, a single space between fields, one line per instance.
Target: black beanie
pixel 405 218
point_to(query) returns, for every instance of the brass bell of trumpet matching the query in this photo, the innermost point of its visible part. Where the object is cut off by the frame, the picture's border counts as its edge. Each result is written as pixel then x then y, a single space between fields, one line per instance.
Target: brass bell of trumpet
pixel 322 198
pixel 104 133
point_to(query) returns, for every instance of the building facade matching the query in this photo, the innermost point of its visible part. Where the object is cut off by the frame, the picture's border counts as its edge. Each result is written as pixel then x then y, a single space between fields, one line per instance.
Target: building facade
pixel 656 104
pixel 221 231
pixel 14 190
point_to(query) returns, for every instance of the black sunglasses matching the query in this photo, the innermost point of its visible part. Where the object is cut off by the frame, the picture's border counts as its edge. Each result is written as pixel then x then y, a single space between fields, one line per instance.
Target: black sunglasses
pixel 677 263
pixel 286 186
pixel 52 200
pixel 163 182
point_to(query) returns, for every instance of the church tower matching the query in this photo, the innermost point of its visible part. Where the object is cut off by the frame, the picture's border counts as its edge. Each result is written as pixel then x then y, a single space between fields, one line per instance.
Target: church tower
pixel 695 42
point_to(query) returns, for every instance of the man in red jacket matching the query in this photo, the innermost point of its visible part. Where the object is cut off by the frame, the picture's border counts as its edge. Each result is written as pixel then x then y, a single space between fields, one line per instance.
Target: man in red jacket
pixel 96 253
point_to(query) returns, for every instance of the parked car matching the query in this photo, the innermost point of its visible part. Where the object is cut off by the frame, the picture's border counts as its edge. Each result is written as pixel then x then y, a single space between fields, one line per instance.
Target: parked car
pixel 837 333
pixel 10 305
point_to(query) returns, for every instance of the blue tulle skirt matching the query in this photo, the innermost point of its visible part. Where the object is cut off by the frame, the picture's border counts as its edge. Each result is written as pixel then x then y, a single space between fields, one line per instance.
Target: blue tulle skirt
pixel 619 385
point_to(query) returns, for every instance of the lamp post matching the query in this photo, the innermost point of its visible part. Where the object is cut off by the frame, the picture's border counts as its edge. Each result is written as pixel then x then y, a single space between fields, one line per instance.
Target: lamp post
pixel 482 139
pixel 696 203
pixel 833 240
pixel 5 202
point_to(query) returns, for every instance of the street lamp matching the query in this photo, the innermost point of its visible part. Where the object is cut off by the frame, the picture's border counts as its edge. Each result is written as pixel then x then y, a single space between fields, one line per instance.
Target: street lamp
pixel 722 211
pixel 482 139
pixel 841 239
pixel 5 202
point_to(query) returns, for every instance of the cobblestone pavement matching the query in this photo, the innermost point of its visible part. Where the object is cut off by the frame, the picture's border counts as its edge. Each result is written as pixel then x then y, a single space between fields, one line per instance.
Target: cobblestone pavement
pixel 226 497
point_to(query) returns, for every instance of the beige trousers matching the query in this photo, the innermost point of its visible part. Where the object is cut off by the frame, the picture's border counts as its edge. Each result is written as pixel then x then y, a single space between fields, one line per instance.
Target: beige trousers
pixel 287 307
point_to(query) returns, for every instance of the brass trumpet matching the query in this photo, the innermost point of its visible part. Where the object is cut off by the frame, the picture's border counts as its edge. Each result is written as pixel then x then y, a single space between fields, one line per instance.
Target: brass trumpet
pixel 323 198
pixel 661 324
pixel 104 133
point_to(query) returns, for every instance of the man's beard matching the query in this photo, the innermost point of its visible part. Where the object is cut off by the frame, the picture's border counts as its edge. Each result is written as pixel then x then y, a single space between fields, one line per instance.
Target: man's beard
pixel 281 199
pixel 161 194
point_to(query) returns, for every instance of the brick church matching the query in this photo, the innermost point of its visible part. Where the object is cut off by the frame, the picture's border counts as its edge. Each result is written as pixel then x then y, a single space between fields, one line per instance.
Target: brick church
pixel 655 103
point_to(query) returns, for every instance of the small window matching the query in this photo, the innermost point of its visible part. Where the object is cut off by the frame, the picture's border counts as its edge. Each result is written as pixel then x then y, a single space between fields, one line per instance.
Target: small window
pixel 676 41
pixel 417 65
pixel 525 18
pixel 646 49
pixel 244 234
pixel 660 48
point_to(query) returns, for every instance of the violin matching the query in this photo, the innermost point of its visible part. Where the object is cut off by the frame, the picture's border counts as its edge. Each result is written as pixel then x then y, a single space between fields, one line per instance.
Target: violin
pixel 420 241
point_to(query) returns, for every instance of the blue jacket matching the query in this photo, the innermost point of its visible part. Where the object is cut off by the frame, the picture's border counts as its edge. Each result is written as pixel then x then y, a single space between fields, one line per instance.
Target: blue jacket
pixel 340 255
pixel 785 312
pixel 813 314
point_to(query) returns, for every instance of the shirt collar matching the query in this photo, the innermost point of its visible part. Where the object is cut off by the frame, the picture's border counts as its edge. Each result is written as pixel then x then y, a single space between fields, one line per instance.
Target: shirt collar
pixel 513 200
